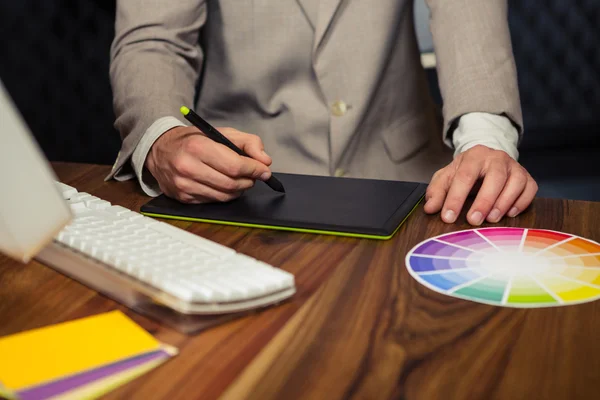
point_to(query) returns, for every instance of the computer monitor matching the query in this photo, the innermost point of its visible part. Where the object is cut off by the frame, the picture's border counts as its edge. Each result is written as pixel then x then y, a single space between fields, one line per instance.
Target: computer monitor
pixel 32 210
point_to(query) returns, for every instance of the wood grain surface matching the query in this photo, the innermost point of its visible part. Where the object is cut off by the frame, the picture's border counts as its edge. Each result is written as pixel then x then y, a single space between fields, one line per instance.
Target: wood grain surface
pixel 359 326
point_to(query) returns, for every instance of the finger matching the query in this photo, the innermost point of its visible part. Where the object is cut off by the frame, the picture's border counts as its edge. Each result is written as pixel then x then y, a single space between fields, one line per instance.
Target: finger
pixel 517 181
pixel 493 183
pixel 228 162
pixel 250 144
pixel 189 191
pixel 241 167
pixel 524 199
pixel 190 167
pixel 466 176
pixel 436 192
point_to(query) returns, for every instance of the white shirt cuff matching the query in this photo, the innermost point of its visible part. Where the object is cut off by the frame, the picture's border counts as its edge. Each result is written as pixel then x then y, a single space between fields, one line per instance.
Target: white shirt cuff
pixel 138 158
pixel 493 131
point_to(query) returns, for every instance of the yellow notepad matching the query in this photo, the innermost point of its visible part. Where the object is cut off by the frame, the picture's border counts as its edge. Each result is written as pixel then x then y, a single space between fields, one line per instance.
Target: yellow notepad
pixel 48 353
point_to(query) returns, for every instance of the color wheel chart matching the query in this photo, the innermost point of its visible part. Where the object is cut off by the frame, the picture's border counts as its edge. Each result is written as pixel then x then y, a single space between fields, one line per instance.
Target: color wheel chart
pixel 509 267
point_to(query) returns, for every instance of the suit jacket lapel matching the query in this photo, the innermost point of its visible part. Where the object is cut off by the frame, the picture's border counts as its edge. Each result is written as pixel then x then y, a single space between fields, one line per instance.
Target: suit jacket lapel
pixel 310 9
pixel 327 10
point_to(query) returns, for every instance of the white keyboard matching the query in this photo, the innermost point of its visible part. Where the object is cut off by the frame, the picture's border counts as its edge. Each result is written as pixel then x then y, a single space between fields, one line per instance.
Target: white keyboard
pixel 124 254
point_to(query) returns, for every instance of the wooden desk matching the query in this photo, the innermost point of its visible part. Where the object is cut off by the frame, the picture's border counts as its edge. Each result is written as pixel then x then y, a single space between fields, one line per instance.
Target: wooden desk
pixel 359 326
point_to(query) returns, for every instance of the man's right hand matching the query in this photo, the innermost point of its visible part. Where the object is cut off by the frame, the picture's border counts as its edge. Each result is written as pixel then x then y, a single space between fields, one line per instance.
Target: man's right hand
pixel 192 168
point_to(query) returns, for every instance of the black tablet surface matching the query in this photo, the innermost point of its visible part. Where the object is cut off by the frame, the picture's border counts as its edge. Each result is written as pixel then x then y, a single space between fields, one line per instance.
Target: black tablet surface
pixel 316 204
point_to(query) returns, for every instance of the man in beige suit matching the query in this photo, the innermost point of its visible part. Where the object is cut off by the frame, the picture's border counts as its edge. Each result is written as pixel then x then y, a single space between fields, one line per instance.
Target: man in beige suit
pixel 325 87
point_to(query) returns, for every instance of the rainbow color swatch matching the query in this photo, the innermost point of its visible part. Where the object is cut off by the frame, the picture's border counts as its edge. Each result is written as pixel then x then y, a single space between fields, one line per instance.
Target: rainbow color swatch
pixel 510 267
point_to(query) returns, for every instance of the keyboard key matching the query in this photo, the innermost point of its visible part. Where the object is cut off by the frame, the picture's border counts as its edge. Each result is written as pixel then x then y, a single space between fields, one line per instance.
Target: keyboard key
pixel 66 190
pixel 97 204
pixel 191 239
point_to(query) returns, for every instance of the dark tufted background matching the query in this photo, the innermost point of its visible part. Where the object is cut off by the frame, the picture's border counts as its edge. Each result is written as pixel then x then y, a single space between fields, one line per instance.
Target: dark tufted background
pixel 557 46
pixel 54 57
pixel 54 62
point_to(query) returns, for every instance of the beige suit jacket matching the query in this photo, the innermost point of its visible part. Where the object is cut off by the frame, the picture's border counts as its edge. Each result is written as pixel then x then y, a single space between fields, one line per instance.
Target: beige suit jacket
pixel 333 87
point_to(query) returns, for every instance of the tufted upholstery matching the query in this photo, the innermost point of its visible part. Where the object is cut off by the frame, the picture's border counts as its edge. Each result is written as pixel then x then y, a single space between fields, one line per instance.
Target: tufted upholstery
pixel 54 63
pixel 557 47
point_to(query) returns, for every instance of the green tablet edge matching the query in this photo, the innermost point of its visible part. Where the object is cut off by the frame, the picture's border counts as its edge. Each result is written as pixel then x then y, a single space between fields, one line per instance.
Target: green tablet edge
pixel 289 229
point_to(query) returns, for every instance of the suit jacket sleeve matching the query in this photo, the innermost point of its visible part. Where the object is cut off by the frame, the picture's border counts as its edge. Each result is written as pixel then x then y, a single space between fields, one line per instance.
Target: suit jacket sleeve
pixel 156 61
pixel 475 64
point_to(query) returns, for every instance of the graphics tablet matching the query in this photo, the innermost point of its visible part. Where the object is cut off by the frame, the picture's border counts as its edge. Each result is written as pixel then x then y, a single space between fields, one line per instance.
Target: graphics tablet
pixel 315 204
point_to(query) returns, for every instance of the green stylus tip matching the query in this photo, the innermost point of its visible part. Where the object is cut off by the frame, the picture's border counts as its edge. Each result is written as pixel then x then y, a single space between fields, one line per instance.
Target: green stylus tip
pixel 184 110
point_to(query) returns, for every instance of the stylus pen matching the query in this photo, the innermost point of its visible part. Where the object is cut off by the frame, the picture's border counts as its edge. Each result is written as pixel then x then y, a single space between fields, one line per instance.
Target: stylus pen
pixel 215 135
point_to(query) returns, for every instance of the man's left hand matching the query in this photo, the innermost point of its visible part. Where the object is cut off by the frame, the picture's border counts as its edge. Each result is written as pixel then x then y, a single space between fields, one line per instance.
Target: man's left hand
pixel 506 187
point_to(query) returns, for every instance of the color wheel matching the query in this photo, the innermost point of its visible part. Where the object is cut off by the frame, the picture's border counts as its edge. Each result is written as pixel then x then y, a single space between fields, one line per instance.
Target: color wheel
pixel 509 267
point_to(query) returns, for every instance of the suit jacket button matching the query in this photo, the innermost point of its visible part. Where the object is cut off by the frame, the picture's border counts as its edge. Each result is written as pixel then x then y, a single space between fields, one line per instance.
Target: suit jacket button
pixel 339 108
pixel 339 172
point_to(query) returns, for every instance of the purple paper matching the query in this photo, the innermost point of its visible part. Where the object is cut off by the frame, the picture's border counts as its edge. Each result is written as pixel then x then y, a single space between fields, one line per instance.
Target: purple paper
pixel 56 387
